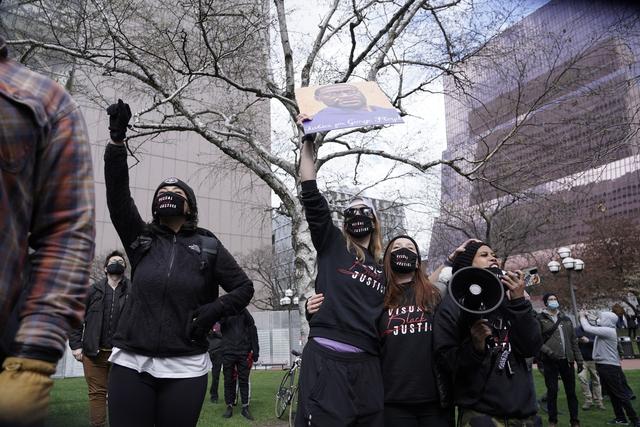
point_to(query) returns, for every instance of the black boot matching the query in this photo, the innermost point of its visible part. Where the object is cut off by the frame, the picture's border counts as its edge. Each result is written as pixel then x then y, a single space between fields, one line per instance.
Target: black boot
pixel 245 412
pixel 229 412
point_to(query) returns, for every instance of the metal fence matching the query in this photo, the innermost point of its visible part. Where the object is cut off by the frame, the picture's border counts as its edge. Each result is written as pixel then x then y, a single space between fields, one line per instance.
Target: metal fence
pixel 278 334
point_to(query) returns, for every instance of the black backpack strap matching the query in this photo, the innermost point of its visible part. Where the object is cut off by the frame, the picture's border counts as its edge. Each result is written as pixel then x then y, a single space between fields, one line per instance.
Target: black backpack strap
pixel 548 334
pixel 209 252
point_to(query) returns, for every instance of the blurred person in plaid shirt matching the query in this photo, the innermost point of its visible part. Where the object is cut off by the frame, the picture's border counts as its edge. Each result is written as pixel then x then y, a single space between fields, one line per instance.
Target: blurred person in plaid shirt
pixel 47 238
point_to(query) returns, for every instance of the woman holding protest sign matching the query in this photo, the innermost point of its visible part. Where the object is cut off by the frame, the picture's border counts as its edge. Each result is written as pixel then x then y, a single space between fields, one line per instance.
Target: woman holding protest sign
pixel 341 381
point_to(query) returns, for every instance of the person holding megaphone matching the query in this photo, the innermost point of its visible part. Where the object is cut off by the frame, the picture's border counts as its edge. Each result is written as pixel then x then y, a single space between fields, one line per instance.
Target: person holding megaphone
pixel 484 331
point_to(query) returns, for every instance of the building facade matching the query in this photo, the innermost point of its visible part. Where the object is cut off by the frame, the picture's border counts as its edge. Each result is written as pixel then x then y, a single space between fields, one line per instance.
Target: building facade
pixel 553 106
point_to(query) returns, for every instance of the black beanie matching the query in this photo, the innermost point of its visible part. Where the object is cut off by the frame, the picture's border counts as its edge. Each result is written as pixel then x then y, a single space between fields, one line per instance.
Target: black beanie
pixel 546 296
pixel 403 236
pixel 191 196
pixel 465 259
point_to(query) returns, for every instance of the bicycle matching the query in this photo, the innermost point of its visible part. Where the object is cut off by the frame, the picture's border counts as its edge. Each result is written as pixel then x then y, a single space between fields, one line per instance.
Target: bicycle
pixel 288 389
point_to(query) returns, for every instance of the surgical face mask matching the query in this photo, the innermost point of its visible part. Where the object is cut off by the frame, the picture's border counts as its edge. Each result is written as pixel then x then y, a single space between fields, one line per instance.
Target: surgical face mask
pixel 359 225
pixel 553 305
pixel 403 260
pixel 115 268
pixel 168 204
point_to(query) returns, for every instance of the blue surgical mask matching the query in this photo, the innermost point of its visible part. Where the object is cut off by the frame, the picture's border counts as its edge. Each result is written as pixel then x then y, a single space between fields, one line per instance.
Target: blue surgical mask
pixel 553 305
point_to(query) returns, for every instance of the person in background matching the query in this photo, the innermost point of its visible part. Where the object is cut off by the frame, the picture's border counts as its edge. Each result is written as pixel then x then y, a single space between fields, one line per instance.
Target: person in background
pixel 486 361
pixel 92 342
pixel 215 354
pixel 239 349
pixel 559 353
pixel 634 316
pixel 589 378
pixel 607 359
pixel 47 238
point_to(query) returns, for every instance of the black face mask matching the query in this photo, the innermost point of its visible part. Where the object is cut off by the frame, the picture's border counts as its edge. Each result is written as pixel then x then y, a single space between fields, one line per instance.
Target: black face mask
pixel 403 260
pixel 168 204
pixel 359 225
pixel 115 268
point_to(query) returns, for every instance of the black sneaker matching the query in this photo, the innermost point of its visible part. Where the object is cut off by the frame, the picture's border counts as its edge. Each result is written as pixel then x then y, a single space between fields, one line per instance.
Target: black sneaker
pixel 245 413
pixel 229 412
pixel 618 422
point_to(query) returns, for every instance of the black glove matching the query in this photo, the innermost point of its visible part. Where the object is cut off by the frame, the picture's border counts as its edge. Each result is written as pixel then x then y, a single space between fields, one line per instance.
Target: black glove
pixel 580 367
pixel 309 138
pixel 119 116
pixel 255 358
pixel 203 319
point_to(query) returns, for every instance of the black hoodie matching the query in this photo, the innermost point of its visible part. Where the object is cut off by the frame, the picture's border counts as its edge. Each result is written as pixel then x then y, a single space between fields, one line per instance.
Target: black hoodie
pixel 170 281
pixel 353 290
pixel 477 383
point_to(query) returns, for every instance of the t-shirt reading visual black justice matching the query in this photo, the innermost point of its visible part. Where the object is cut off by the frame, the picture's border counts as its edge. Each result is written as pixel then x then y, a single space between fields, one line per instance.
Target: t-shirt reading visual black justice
pixel 353 290
pixel 407 361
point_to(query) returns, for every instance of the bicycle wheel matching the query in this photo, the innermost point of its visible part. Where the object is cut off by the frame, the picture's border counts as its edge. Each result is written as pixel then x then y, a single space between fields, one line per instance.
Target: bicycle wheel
pixel 283 396
pixel 294 407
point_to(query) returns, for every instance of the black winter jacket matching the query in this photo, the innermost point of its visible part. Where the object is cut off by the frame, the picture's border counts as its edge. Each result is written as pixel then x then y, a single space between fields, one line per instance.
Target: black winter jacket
pixel 476 382
pixel 170 281
pixel 239 334
pixel 87 336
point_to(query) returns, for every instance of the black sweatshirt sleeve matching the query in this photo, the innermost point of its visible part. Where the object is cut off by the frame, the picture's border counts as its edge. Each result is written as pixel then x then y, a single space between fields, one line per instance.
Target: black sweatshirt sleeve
pixel 525 336
pixel 75 335
pixel 234 281
pixel 124 213
pixel 453 350
pixel 318 215
pixel 253 333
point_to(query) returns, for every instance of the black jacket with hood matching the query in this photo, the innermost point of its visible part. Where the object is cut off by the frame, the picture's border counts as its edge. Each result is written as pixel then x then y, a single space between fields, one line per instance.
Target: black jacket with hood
pixel 477 384
pixel 87 336
pixel 239 335
pixel 170 282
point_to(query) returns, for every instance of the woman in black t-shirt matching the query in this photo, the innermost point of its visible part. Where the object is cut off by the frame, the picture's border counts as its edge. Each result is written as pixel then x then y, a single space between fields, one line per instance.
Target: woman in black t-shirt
pixel 411 390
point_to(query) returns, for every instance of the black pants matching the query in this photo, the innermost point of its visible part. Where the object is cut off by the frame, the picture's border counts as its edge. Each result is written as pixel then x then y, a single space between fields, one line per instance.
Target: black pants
pixel 553 367
pixel 241 363
pixel 613 381
pixel 339 389
pixel 418 415
pixel 216 361
pixel 141 400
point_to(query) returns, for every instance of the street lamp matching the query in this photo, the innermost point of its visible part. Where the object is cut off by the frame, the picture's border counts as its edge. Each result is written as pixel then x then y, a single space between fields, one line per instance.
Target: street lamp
pixel 570 264
pixel 289 301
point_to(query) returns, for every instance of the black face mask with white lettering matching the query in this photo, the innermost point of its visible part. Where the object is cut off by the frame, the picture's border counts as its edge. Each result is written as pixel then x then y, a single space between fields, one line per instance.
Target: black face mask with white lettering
pixel 168 204
pixel 115 268
pixel 359 225
pixel 403 260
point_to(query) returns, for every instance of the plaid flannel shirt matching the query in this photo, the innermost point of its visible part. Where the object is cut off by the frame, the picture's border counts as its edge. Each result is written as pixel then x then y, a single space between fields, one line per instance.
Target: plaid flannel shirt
pixel 47 210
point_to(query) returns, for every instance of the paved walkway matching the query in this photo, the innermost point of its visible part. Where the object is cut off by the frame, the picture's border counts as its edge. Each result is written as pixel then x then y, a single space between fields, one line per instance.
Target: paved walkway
pixel 630 364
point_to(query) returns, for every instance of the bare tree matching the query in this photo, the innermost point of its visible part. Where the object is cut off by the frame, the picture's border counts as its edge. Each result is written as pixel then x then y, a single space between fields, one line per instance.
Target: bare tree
pixel 612 256
pixel 271 275
pixel 180 59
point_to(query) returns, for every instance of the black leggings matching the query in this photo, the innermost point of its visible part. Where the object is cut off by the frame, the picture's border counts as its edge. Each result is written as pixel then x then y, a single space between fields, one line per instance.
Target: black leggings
pixel 141 400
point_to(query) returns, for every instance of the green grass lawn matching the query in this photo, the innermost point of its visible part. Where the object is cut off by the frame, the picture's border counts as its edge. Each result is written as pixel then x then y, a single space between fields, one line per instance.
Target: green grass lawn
pixel 70 408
